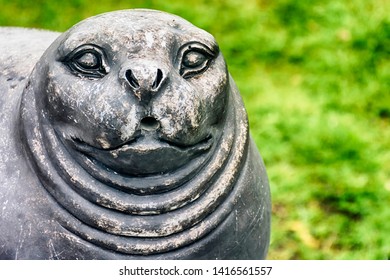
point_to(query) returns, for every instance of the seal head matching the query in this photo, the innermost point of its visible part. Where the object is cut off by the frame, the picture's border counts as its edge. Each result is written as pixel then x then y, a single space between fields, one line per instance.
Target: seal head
pixel 127 90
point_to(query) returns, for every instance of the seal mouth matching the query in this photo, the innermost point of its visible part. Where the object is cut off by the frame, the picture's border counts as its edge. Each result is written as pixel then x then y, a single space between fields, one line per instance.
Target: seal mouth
pixel 144 155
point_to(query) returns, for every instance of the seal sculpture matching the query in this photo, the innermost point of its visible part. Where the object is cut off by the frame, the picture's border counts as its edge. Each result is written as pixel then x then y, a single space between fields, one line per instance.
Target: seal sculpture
pixel 126 138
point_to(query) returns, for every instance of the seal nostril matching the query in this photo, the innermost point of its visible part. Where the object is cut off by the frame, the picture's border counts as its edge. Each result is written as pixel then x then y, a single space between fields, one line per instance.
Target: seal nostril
pixel 149 124
pixel 158 79
pixel 131 79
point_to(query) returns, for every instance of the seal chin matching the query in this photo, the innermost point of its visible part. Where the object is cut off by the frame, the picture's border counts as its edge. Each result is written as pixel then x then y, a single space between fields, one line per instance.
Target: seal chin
pixel 143 156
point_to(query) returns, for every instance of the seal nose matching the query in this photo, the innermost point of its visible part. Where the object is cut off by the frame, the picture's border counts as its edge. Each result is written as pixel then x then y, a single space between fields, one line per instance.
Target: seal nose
pixel 135 84
pixel 144 81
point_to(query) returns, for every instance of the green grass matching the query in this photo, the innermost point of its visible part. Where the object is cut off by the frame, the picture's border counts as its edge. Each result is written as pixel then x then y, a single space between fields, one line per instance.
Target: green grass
pixel 315 77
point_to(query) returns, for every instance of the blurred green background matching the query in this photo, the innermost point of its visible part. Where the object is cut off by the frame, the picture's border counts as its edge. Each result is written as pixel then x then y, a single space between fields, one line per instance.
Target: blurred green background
pixel 315 78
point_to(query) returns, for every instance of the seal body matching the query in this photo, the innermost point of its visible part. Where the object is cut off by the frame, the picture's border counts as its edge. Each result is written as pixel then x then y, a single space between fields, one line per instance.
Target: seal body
pixel 126 138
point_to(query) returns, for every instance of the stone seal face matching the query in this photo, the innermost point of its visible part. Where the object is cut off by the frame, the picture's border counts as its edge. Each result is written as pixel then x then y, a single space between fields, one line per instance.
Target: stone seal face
pixel 128 140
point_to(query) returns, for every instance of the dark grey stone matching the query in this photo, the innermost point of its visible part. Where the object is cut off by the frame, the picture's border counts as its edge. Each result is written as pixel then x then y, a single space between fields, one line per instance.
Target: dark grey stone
pixel 126 138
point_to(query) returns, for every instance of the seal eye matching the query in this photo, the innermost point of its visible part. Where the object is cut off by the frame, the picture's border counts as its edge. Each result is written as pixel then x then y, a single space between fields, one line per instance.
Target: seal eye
pixel 193 59
pixel 196 59
pixel 87 61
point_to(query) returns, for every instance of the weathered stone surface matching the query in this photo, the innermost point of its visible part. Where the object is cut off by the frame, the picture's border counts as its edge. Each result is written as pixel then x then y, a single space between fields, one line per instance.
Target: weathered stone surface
pixel 126 138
